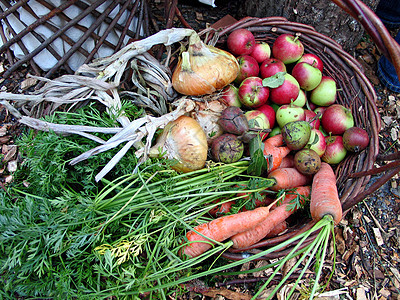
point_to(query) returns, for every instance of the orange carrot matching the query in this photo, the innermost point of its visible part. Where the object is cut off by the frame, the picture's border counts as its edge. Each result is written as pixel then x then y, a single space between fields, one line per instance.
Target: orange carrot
pixel 287 162
pixel 288 178
pixel 221 209
pixel 275 151
pixel 278 215
pixel 225 207
pixel 276 140
pixel 324 195
pixel 279 228
pixel 221 229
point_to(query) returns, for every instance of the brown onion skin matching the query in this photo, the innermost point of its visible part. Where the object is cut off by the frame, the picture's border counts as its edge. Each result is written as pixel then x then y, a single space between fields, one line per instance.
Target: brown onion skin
pixel 203 69
pixel 185 141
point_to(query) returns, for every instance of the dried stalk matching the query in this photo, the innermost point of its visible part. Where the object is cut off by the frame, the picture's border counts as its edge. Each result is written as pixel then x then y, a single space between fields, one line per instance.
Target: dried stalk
pixel 100 81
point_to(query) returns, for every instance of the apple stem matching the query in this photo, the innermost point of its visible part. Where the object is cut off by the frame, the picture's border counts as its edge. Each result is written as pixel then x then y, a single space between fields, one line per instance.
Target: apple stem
pixel 295 38
pixel 315 117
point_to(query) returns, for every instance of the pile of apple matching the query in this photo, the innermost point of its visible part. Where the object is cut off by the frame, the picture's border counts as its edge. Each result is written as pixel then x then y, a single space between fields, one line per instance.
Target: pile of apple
pixel 279 84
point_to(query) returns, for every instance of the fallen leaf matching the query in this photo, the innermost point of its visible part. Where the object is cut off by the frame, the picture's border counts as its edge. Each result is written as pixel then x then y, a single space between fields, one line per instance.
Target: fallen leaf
pixel 9 152
pixel 259 264
pixel 27 83
pixel 3 130
pixel 340 243
pixel 266 292
pixel 213 293
pixel 394 134
pixel 362 46
pixel 378 236
pixel 8 178
pixel 361 293
pixel 387 120
pixel 12 166
pixel 245 267
pixel 385 293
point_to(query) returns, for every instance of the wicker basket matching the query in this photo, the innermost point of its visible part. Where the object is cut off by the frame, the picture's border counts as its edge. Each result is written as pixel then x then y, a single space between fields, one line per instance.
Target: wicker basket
pixel 53 35
pixel 355 92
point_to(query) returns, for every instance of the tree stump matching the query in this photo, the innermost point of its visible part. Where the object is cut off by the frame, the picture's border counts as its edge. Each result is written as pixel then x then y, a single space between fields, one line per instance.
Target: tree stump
pixel 325 16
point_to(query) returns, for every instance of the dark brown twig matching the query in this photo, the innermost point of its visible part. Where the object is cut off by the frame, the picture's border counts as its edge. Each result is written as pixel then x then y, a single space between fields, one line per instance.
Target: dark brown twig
pixel 375 186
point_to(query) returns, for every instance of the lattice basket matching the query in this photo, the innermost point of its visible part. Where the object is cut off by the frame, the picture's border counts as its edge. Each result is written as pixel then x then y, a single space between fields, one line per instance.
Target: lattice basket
pixel 62 35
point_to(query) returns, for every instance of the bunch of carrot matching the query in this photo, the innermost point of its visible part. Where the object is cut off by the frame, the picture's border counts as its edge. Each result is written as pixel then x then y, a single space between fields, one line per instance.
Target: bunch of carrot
pixel 247 227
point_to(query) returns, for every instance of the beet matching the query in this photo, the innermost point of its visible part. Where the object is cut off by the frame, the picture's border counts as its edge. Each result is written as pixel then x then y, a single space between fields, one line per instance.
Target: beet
pixel 227 148
pixel 233 120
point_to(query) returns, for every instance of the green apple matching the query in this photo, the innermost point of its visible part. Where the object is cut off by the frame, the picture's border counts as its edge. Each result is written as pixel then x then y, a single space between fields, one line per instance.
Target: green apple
pixel 301 99
pixel 308 76
pixel 289 113
pixel 325 93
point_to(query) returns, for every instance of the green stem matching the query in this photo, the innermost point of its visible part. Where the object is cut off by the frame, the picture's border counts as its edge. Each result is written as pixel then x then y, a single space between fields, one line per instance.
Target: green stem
pixel 325 236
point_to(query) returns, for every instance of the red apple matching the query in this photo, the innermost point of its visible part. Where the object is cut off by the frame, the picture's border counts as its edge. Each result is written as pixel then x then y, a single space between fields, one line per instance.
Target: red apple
pixel 309 115
pixel 252 93
pixel 287 92
pixel 287 48
pixel 248 67
pixel 335 151
pixel 301 99
pixel 310 105
pixel 269 112
pixel 258 120
pixel 317 142
pixel 313 60
pixel 289 113
pixel 308 77
pixel 271 66
pixel 261 51
pixel 355 139
pixel 320 110
pixel 230 96
pixel 241 42
pixel 325 93
pixel 336 119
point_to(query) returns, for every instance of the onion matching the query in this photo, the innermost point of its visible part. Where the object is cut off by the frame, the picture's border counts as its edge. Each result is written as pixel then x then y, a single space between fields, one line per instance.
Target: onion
pixel 203 69
pixel 207 113
pixel 185 141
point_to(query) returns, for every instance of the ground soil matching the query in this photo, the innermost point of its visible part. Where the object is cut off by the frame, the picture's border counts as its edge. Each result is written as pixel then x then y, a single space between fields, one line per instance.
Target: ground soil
pixel 368 238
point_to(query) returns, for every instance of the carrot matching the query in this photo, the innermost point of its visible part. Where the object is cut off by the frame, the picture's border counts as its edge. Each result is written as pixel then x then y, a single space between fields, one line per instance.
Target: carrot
pixel 276 140
pixel 276 216
pixel 275 151
pixel 287 162
pixel 221 229
pixel 279 228
pixel 288 178
pixel 226 207
pixel 221 209
pixel 324 195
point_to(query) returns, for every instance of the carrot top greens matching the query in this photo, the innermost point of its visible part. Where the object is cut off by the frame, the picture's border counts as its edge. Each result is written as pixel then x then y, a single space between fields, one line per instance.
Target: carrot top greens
pixel 64 235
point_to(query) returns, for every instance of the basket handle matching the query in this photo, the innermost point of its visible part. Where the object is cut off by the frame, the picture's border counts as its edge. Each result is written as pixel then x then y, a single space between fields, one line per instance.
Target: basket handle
pixel 375 28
